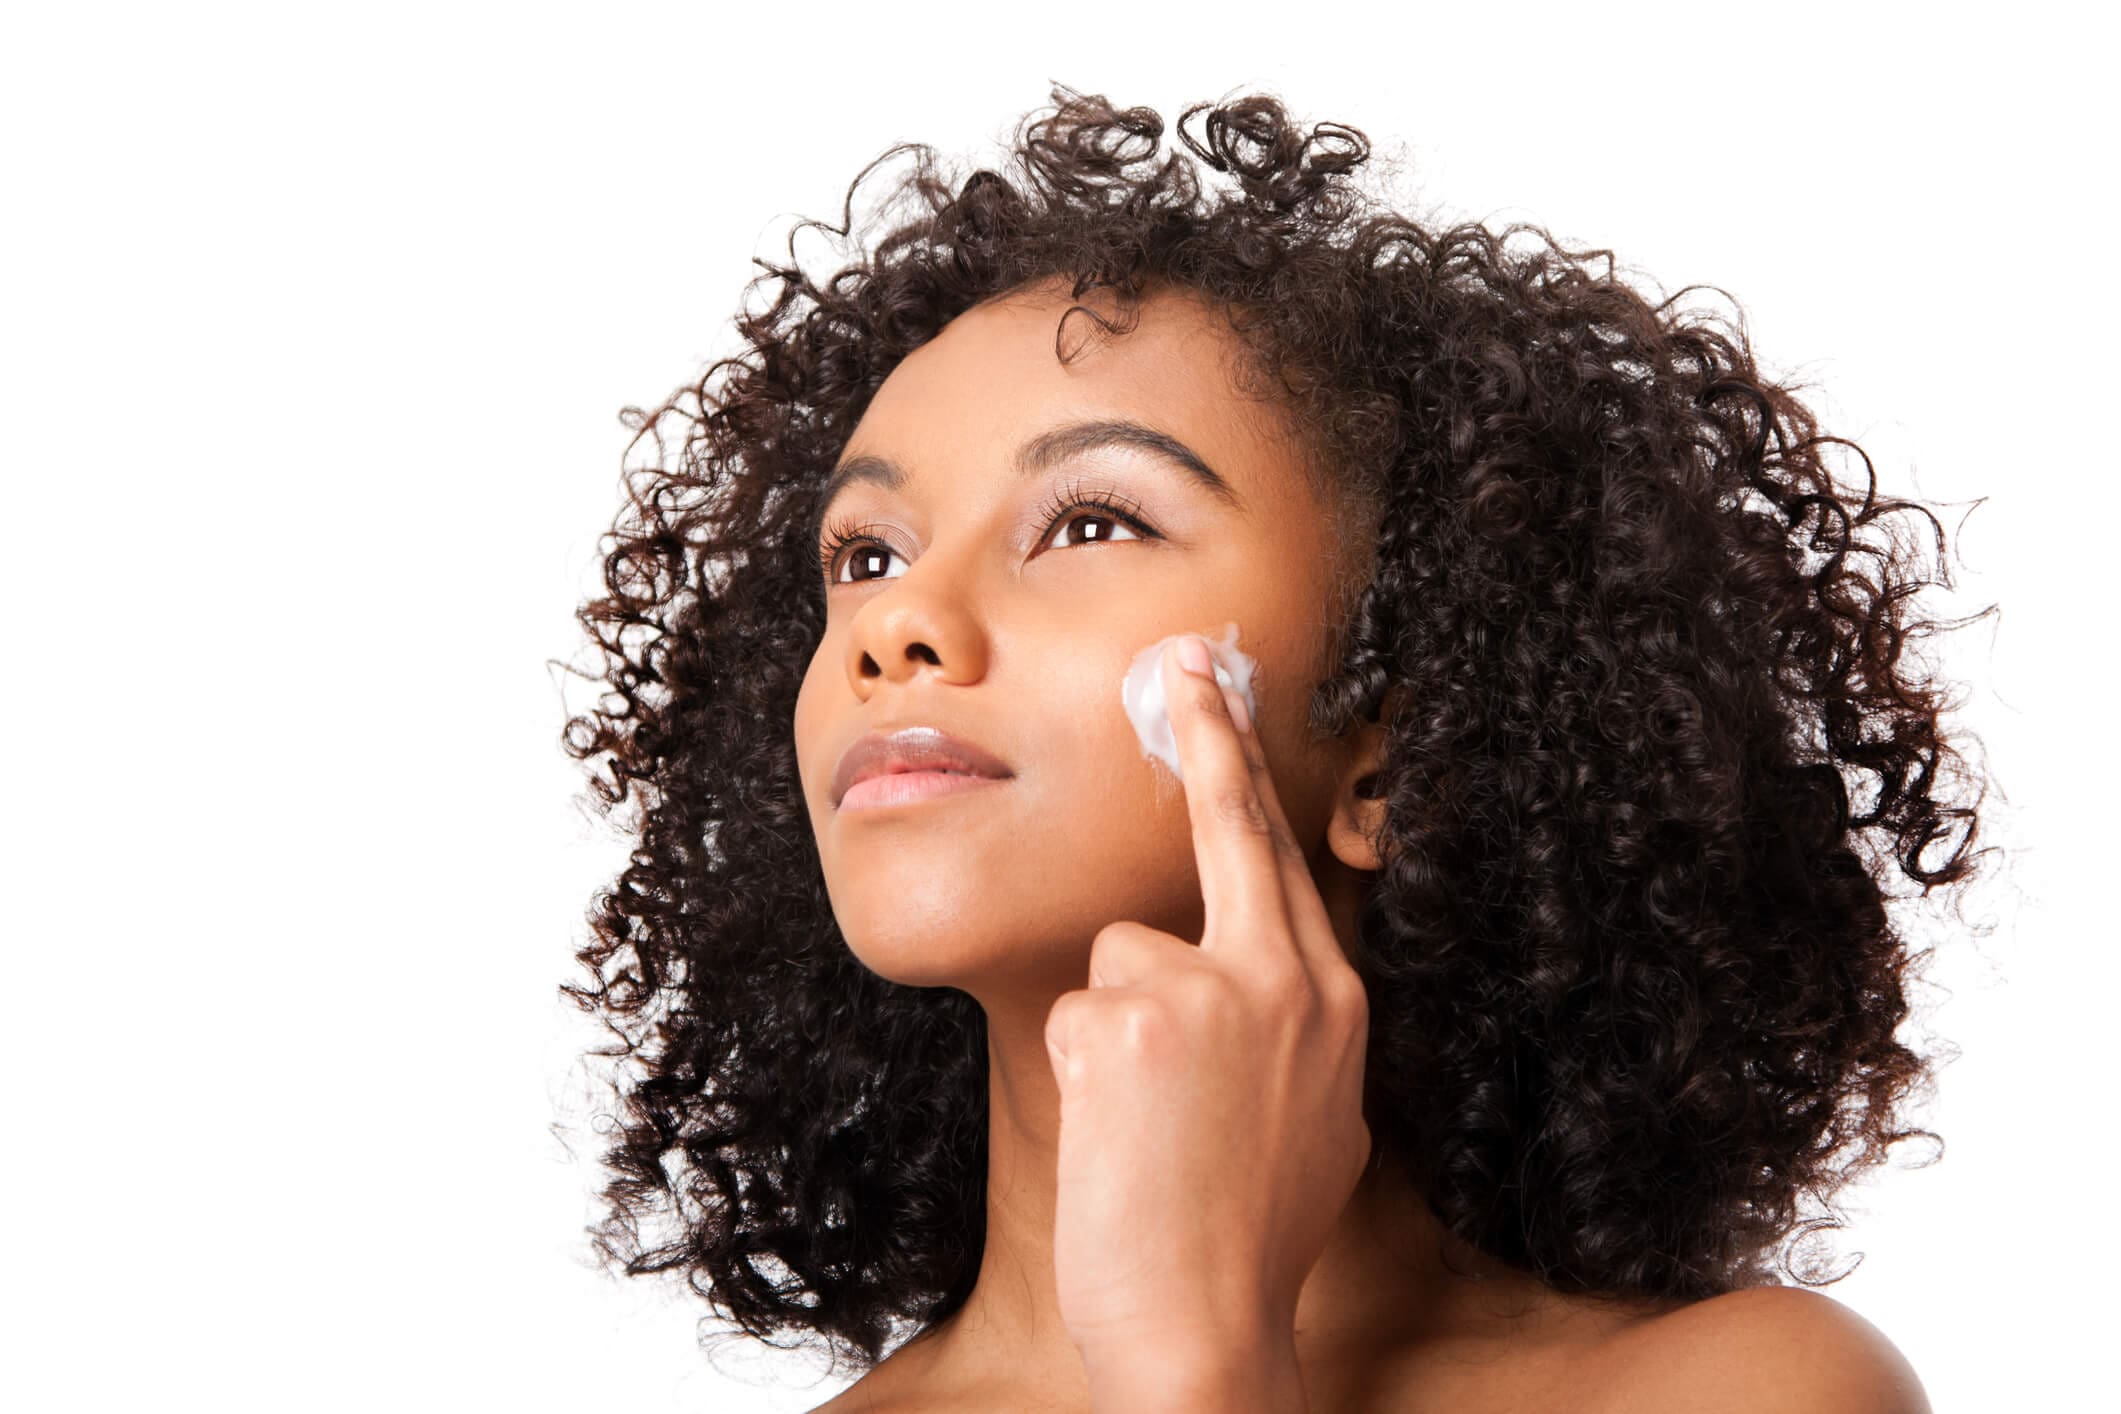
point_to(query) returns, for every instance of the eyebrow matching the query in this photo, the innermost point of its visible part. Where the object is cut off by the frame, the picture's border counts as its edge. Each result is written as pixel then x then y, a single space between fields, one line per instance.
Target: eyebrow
pixel 1038 453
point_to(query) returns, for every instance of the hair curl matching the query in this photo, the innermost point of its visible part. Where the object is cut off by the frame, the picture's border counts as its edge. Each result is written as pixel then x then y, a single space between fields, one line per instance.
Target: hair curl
pixel 1632 979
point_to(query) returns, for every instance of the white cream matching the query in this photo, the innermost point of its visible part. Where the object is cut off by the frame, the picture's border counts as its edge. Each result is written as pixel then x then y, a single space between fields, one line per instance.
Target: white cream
pixel 1141 692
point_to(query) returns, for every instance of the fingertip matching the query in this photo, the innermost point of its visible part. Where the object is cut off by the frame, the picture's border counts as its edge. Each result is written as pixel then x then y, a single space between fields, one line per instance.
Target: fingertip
pixel 1193 655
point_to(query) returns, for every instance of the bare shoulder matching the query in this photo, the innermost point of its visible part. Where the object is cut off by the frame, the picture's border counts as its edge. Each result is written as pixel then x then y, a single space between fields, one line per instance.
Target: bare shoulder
pixel 900 1383
pixel 847 1401
pixel 871 1394
pixel 1770 1348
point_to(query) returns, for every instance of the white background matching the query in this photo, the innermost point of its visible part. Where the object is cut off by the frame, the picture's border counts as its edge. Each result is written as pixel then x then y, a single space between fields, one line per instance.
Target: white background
pixel 316 327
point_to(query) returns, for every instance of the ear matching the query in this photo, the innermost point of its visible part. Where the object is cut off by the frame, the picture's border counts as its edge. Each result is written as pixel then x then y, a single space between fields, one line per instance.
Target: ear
pixel 1358 806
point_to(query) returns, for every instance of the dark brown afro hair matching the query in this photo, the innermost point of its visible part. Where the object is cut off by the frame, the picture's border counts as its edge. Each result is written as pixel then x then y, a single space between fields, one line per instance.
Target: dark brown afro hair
pixel 1633 983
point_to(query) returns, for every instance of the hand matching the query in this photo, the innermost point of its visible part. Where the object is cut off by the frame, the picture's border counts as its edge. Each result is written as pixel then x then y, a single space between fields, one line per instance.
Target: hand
pixel 1211 1124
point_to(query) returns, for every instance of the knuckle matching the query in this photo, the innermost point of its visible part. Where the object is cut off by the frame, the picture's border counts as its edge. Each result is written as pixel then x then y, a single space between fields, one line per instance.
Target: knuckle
pixel 1058 1017
pixel 1141 1020
pixel 1285 844
pixel 1117 941
pixel 1365 1146
pixel 1206 989
pixel 1122 932
pixel 1240 808
pixel 1208 696
pixel 1345 993
pixel 1287 986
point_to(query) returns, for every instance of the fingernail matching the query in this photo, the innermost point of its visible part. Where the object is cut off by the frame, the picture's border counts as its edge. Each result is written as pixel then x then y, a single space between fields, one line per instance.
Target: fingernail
pixel 1239 713
pixel 1193 656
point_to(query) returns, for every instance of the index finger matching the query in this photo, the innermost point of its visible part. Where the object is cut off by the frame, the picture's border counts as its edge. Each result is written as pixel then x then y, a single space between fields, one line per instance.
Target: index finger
pixel 1233 835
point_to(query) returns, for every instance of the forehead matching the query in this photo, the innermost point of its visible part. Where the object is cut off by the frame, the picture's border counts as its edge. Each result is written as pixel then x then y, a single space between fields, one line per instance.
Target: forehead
pixel 993 374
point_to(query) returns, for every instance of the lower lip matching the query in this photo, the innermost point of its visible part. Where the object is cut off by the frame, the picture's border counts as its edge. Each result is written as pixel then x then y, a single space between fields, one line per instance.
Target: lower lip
pixel 907 787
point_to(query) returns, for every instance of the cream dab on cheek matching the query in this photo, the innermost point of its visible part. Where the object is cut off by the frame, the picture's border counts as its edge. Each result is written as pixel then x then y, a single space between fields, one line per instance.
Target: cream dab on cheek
pixel 1141 692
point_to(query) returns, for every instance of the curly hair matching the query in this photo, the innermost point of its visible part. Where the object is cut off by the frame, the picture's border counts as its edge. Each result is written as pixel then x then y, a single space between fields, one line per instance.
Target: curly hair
pixel 1633 981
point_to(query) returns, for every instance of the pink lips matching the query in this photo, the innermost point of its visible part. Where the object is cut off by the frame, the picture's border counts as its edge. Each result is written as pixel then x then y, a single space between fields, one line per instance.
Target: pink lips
pixel 905 787
pixel 911 763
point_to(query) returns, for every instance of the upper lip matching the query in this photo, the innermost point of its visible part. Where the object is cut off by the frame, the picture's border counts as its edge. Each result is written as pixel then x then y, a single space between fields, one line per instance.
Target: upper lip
pixel 914 748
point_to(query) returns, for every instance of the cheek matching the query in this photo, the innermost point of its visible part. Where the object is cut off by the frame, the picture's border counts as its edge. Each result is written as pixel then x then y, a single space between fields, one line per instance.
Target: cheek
pixel 809 728
pixel 1094 828
pixel 1104 835
pixel 1148 708
pixel 1088 833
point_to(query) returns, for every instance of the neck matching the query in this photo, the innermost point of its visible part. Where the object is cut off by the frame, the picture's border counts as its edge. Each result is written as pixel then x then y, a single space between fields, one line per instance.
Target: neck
pixel 1390 1277
pixel 1385 1280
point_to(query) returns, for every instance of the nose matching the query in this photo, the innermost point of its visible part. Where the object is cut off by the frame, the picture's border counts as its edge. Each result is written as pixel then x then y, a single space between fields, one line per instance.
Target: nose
pixel 908 630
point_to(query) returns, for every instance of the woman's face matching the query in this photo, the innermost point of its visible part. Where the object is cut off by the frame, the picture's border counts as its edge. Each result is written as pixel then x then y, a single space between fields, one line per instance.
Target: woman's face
pixel 988 608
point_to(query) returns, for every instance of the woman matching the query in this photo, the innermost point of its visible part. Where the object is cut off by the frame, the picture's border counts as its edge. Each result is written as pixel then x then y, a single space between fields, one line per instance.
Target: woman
pixel 1454 1011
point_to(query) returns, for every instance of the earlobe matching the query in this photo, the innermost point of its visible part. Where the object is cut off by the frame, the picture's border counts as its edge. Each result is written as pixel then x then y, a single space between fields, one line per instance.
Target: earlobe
pixel 1358 804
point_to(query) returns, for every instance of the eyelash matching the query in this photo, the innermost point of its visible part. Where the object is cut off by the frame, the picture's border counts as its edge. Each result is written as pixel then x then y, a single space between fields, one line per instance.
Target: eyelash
pixel 840 534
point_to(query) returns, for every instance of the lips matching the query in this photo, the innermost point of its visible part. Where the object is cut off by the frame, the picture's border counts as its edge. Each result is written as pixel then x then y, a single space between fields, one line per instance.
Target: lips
pixel 915 748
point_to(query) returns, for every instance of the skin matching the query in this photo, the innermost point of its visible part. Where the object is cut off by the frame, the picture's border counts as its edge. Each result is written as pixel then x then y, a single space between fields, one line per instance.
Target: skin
pixel 1002 626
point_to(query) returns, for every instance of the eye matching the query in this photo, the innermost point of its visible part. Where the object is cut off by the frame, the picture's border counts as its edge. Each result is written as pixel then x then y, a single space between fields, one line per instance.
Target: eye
pixel 1069 506
pixel 1095 509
